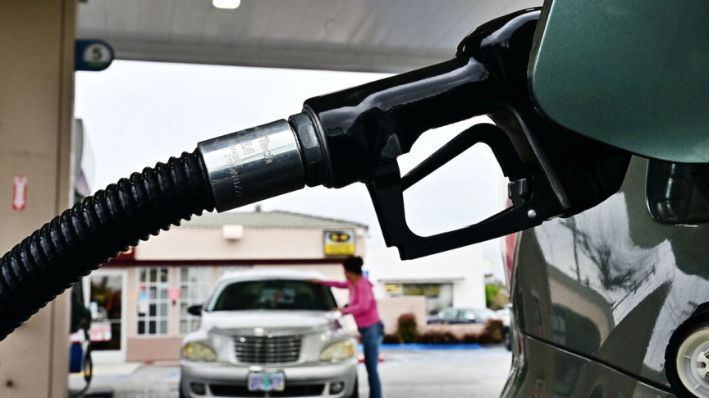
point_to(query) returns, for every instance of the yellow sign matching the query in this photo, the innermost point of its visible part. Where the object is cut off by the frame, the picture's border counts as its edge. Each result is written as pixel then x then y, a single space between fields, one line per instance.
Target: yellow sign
pixel 394 289
pixel 339 243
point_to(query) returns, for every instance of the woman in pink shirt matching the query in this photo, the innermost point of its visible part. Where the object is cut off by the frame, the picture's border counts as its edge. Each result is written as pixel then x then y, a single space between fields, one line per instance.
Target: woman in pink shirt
pixel 363 307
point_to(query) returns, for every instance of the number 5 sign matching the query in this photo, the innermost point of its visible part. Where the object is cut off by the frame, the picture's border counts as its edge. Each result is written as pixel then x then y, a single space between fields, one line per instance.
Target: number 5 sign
pixel 92 55
pixel 19 193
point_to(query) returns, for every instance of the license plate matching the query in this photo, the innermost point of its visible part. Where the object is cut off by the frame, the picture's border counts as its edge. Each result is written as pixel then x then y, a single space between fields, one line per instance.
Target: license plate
pixel 267 381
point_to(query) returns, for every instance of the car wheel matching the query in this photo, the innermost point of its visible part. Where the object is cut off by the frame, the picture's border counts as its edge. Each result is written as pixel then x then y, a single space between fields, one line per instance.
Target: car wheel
pixel 180 392
pixel 687 358
pixel 355 390
pixel 508 339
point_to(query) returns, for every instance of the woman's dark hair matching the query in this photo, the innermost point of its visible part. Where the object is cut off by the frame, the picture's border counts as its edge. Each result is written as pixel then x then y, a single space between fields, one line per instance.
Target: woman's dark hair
pixel 353 265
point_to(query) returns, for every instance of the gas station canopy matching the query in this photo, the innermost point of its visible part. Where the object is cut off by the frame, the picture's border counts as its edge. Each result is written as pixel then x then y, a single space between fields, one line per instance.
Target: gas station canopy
pixel 364 35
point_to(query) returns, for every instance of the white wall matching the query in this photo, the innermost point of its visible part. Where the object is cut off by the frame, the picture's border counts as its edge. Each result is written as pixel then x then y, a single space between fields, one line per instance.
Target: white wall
pixel 470 292
pixel 391 308
pixel 465 268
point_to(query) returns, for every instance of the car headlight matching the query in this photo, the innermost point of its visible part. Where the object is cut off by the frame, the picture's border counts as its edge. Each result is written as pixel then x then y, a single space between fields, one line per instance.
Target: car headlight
pixel 198 352
pixel 338 351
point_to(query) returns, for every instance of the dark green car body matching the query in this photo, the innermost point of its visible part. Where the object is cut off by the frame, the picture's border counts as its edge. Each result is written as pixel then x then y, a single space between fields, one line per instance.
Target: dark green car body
pixel 601 298
pixel 630 73
pixel 597 296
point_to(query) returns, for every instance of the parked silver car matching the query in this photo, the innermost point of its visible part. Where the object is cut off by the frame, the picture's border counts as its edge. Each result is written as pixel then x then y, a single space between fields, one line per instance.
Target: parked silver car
pixel 453 315
pixel 269 333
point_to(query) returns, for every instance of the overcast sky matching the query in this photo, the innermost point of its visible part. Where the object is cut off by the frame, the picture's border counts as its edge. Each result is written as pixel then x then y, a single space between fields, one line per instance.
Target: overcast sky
pixel 138 113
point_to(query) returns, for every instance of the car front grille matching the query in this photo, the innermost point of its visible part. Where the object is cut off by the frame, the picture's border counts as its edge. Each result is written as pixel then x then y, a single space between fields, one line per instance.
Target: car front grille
pixel 267 349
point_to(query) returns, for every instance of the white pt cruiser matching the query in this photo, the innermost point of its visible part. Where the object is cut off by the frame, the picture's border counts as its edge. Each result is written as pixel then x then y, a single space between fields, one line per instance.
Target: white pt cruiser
pixel 268 334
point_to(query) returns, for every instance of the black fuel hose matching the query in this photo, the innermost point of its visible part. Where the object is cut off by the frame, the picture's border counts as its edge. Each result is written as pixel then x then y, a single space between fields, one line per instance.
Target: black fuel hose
pixel 222 173
pixel 83 237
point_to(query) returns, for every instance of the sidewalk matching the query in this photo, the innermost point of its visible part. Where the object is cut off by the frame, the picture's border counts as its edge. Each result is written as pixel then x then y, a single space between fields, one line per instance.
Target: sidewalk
pixel 405 373
pixel 132 379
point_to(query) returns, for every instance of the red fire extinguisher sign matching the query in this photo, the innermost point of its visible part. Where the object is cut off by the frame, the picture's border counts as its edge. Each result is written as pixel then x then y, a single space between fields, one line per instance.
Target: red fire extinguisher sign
pixel 19 193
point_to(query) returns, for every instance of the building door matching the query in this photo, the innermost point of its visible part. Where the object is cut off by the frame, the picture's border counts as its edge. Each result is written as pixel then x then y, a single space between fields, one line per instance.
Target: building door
pixel 106 301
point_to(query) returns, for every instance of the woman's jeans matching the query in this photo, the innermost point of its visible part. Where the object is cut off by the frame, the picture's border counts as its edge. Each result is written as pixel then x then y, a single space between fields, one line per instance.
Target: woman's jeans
pixel 371 338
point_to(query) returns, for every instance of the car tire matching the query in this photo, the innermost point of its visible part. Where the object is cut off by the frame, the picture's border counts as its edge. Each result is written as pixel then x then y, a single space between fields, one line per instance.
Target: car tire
pixel 355 390
pixel 686 340
pixel 508 339
pixel 180 391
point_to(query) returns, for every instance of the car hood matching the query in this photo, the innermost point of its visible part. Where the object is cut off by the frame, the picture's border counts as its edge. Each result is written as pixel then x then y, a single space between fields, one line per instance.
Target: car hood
pixel 269 320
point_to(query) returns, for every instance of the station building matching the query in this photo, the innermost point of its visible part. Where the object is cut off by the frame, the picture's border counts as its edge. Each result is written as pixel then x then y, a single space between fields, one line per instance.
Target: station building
pixel 139 300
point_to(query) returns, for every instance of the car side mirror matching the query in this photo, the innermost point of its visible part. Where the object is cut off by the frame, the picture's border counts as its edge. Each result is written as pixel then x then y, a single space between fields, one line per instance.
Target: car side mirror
pixel 195 310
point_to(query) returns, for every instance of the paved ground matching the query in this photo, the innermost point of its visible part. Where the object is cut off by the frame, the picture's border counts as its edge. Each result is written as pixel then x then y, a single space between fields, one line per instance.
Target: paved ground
pixel 466 373
pixel 410 374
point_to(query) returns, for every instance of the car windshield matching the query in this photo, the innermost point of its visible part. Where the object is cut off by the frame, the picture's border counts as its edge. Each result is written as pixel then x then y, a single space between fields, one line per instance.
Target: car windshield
pixel 274 295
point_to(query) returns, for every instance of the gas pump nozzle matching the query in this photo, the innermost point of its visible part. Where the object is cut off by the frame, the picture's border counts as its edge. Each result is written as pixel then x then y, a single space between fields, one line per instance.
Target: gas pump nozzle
pixel 338 139
pixel 356 135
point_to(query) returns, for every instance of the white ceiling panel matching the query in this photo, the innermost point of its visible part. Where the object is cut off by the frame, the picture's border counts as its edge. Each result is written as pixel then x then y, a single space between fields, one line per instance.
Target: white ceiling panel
pixel 362 35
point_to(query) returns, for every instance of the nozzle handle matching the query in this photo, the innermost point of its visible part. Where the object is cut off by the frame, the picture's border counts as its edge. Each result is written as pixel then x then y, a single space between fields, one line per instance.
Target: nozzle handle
pixel 527 210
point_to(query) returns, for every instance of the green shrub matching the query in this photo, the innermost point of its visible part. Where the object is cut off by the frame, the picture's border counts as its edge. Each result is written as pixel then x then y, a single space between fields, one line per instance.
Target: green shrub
pixel 407 329
pixel 438 338
pixel 391 339
pixel 491 291
pixel 470 338
pixel 492 332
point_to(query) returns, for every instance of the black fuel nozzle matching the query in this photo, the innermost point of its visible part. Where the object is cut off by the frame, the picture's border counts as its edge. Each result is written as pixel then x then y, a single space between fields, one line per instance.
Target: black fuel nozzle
pixel 356 135
pixel 350 136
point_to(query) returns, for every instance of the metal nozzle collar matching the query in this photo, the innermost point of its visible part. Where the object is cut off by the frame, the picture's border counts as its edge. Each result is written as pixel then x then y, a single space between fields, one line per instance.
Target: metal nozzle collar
pixel 253 164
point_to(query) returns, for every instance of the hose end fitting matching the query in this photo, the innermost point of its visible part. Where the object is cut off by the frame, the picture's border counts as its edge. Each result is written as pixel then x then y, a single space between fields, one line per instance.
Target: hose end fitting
pixel 253 164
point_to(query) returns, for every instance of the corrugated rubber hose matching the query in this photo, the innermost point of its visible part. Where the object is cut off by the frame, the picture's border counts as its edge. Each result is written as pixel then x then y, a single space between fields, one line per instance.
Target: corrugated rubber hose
pixel 76 242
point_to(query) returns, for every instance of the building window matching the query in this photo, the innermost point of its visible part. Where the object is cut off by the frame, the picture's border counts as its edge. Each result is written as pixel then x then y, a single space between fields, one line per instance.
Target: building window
pixel 438 295
pixel 195 286
pixel 153 301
